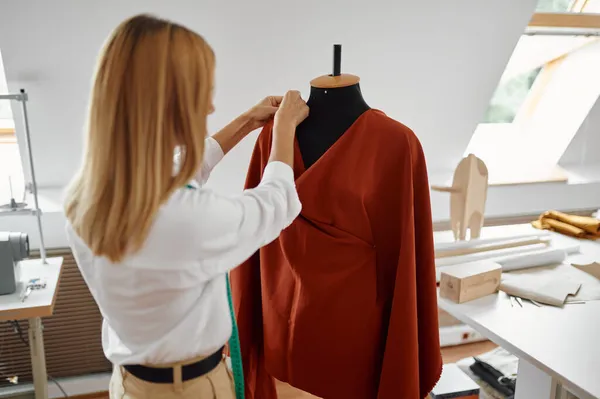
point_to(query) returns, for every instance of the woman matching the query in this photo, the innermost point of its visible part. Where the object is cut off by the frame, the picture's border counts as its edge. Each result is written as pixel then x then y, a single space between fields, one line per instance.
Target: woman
pixel 152 244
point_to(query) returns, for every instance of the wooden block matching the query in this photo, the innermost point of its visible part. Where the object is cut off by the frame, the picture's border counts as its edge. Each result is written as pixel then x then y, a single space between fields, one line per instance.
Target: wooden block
pixel 468 281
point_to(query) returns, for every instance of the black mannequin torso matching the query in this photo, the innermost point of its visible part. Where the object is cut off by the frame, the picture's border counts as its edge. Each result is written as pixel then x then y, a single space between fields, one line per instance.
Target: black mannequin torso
pixel 332 112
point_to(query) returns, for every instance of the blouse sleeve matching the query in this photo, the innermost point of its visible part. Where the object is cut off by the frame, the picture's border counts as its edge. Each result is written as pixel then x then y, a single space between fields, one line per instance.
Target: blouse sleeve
pixel 214 233
pixel 243 224
pixel 213 153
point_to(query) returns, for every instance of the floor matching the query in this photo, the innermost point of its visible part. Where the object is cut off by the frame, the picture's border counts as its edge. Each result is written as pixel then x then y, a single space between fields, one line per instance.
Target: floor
pixel 450 355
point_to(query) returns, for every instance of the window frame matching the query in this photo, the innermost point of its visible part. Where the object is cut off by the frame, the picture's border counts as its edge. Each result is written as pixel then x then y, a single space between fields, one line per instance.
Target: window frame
pixel 574 20
pixel 566 20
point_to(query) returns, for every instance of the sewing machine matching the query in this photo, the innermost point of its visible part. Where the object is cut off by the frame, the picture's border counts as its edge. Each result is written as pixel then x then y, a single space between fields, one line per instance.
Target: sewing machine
pixel 14 247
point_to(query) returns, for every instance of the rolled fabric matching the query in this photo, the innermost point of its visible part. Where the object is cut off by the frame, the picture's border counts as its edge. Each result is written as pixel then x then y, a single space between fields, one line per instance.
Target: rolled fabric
pixel 537 258
pixel 448 246
pixel 560 227
pixel 513 258
pixel 571 225
pixel 492 255
pixel 522 242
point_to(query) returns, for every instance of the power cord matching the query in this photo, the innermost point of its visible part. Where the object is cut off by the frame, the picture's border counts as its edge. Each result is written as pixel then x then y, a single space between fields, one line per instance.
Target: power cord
pixel 19 331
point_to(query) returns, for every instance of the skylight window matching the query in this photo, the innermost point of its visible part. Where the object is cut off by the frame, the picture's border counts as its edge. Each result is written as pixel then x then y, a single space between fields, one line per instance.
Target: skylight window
pixel 544 95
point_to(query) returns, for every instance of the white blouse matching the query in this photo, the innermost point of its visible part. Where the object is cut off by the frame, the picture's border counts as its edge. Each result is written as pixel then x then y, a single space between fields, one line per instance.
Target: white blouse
pixel 168 301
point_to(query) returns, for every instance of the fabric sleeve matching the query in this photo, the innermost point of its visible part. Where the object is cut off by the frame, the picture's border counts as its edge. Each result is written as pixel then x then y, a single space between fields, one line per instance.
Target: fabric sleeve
pixel 430 356
pixel 414 291
pixel 213 153
pixel 247 303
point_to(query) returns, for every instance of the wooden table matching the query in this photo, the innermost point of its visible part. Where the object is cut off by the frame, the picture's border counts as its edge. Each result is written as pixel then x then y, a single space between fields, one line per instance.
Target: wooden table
pixel 40 303
pixel 558 348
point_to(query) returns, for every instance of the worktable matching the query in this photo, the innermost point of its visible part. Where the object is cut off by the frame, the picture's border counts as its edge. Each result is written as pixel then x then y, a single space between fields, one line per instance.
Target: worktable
pixel 558 348
pixel 40 303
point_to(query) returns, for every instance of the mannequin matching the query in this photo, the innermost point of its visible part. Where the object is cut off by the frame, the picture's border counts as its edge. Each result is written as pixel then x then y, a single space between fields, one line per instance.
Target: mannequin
pixel 335 103
pixel 343 304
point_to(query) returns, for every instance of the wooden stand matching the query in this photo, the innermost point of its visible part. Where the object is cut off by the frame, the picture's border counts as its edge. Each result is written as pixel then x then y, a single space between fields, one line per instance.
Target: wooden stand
pixel 467 197
pixel 337 78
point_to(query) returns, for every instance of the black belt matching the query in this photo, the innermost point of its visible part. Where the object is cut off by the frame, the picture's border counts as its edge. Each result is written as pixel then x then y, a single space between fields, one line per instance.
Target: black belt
pixel 165 375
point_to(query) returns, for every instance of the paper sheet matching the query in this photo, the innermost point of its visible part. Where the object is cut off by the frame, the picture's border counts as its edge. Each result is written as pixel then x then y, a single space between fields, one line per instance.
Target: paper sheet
pixel 590 268
pixel 590 286
pixel 548 290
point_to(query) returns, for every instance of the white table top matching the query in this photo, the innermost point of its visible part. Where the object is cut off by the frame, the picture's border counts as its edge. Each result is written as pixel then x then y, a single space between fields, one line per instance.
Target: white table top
pixel 40 303
pixel 563 342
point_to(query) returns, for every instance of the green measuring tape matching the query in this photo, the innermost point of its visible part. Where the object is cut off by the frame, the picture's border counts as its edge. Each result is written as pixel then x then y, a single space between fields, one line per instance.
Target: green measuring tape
pixel 235 350
pixel 234 342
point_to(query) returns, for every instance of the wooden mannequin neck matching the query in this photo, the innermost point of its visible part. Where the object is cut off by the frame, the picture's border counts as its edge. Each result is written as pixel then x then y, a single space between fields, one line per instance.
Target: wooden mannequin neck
pixel 336 100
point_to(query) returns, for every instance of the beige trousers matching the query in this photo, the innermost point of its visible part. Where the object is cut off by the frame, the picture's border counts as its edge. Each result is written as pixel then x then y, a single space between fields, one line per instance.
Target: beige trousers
pixel 218 384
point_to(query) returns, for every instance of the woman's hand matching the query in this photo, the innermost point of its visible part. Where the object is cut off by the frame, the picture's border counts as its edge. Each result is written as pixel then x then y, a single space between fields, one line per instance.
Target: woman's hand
pixel 288 111
pixel 263 112
pixel 254 118
pixel 292 110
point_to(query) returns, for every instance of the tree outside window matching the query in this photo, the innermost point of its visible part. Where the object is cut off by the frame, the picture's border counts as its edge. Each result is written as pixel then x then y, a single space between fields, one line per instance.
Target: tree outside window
pixel 511 94
pixel 554 5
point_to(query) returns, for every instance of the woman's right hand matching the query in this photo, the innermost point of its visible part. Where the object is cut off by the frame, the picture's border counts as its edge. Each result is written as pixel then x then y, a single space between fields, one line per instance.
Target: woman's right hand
pixel 292 110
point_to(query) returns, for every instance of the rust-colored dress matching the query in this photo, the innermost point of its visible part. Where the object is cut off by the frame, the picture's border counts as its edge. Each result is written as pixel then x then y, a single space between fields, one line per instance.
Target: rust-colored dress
pixel 343 304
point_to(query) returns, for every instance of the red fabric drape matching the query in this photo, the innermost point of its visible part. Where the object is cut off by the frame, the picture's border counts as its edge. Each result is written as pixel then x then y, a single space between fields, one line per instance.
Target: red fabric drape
pixel 343 304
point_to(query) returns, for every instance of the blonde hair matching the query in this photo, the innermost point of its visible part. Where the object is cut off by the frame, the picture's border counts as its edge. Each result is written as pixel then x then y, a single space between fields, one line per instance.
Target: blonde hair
pixel 151 94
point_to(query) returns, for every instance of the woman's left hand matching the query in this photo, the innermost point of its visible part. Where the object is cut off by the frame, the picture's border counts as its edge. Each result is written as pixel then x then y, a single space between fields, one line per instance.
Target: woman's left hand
pixel 256 117
pixel 263 112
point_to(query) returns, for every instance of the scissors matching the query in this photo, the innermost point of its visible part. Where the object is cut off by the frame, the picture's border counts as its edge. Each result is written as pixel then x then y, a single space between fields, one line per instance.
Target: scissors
pixel 514 299
pixel 33 284
pixel 26 293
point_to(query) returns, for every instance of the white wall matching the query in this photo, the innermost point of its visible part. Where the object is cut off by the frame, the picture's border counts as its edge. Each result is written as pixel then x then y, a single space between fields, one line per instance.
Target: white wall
pixel 432 65
pixel 585 146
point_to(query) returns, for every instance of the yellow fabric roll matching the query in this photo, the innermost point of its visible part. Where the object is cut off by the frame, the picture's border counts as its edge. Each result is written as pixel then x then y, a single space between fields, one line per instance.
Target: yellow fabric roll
pixel 571 225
